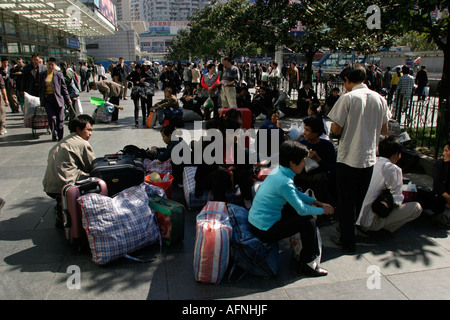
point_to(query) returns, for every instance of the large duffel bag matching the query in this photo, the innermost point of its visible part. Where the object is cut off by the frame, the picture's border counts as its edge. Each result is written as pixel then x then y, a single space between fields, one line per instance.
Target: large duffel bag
pixel 119 171
pixel 212 243
pixel 118 226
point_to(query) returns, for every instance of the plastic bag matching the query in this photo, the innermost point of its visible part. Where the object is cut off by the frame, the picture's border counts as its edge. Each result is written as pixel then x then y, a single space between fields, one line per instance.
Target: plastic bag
pixel 209 104
pixel 409 192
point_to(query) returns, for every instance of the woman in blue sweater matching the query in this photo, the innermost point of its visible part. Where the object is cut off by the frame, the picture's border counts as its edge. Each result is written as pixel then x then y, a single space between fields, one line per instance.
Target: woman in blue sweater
pixel 280 210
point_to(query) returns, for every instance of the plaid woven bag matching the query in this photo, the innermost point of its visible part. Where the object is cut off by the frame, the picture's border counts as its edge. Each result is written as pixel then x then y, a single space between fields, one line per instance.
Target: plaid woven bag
pixel 120 225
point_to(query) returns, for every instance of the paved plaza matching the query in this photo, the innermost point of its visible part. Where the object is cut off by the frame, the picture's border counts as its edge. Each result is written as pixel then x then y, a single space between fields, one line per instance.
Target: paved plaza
pixel 412 264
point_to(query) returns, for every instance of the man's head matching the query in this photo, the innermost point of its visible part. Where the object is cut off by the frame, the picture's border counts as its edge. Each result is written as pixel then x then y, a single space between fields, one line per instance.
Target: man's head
pixel 83 125
pixel 405 70
pixel 92 85
pixel 35 59
pixel 121 60
pixel 226 61
pixel 352 75
pixel 5 63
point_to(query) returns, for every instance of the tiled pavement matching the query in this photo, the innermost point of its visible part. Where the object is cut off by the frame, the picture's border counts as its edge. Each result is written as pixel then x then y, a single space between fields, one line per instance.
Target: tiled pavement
pixel 414 263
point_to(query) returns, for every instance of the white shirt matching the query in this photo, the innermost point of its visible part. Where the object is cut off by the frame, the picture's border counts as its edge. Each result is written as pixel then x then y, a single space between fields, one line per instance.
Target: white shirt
pixel 385 175
pixel 101 70
pixel 361 114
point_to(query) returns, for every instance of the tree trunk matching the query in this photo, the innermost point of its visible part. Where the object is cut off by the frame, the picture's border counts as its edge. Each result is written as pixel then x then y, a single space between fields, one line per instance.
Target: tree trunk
pixel 308 71
pixel 443 121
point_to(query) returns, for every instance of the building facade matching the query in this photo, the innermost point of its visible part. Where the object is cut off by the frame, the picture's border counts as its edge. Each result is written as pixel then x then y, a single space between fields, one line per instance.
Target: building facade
pixel 52 29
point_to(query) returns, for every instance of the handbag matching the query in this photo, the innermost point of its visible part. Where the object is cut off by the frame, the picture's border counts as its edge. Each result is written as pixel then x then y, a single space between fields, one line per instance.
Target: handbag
pixel 383 205
pixel 74 92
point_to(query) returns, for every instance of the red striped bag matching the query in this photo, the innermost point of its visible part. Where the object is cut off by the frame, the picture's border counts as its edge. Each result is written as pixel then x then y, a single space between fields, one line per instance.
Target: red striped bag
pixel 212 243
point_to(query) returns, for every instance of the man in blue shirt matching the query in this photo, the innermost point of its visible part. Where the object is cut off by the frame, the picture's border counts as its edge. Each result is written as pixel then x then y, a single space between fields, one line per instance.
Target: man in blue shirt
pixel 279 210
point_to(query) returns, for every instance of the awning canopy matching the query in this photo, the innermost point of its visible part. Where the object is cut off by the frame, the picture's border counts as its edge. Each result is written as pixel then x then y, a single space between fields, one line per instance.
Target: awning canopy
pixel 71 16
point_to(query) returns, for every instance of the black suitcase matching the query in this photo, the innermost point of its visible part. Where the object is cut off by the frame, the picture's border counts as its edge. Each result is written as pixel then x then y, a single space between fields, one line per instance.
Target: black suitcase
pixel 119 171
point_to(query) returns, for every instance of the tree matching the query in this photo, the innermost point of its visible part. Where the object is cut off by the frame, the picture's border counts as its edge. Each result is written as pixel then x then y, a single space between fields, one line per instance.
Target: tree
pixel 216 31
pixel 430 18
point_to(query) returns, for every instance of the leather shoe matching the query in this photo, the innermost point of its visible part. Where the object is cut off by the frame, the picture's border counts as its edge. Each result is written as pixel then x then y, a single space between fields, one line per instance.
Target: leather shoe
pixel 349 248
pixel 304 269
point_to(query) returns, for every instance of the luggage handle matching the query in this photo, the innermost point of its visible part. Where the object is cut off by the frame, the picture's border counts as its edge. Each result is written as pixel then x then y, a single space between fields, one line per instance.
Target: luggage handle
pixel 88 185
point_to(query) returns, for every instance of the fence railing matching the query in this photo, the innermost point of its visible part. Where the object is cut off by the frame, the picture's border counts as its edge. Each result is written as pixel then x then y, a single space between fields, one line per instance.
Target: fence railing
pixel 419 118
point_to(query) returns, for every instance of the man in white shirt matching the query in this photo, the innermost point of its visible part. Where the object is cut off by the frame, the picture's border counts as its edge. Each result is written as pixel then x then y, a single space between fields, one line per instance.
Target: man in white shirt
pixel 386 174
pixel 274 76
pixel 359 117
pixel 101 72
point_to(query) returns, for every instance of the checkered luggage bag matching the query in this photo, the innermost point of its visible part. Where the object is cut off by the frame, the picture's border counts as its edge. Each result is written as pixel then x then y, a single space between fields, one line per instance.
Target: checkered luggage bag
pixel 120 225
pixel 212 243
pixel 157 166
pixel 194 203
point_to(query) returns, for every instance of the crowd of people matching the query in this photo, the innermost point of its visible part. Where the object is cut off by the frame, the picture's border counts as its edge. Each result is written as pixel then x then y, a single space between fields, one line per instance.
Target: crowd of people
pixel 346 182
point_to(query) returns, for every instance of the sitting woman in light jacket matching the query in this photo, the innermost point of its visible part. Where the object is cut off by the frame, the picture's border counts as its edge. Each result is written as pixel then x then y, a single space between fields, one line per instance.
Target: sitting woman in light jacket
pixel 386 174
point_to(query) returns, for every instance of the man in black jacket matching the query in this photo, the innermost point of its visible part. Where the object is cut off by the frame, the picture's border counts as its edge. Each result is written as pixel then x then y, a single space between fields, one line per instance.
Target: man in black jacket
pixel 422 82
pixel 170 78
pixel 306 97
pixel 120 74
pixel 30 76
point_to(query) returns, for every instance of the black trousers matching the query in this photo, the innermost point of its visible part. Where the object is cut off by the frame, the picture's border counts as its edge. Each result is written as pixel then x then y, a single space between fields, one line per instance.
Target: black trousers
pixel 352 184
pixel 290 224
pixel 115 114
pixel 143 108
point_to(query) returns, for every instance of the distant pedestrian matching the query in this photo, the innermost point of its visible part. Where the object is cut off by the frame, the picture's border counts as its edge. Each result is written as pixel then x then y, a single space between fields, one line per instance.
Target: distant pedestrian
pixel 422 82
pixel 53 93
pixel 405 91
pixel 229 79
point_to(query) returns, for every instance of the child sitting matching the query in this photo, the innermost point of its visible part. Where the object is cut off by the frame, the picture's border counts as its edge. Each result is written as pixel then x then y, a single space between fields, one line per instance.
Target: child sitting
pixel 280 210
pixel 164 154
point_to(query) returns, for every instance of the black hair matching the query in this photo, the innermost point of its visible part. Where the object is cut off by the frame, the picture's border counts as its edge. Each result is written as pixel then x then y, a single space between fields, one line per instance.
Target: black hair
pixel 168 129
pixel 51 59
pixel 315 123
pixel 292 151
pixel 336 89
pixel 233 114
pixel 91 84
pixel 354 72
pixel 80 122
pixel 446 144
pixel 405 70
pixel 388 147
pixel 315 107
pixel 211 65
pixel 227 123
pixel 35 54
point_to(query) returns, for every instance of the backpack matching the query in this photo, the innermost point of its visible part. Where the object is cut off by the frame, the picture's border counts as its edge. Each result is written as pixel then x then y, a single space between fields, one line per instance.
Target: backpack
pixel 247 251
pixel 135 151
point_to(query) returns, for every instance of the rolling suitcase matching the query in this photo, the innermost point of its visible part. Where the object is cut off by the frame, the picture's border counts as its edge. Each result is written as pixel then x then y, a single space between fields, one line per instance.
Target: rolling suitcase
pixel 119 171
pixel 170 216
pixel 74 231
pixel 247 117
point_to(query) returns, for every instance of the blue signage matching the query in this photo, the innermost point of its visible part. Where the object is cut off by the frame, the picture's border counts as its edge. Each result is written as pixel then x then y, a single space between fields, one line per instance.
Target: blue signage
pixel 73 43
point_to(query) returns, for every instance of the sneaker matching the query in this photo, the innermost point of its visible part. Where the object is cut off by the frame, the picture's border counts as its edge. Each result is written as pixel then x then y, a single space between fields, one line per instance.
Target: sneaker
pixel 3 132
pixel 247 204
pixel 157 126
pixel 281 114
pixel 261 117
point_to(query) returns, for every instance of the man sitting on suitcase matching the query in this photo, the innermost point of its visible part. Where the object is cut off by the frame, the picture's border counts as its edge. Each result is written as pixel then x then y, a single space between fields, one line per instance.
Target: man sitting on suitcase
pixel 69 160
